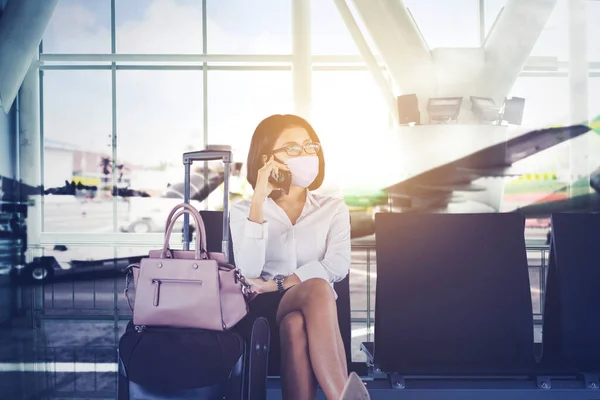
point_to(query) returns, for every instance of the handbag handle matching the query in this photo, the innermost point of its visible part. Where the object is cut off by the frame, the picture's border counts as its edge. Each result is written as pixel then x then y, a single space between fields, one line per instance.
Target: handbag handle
pixel 197 217
pixel 200 239
pixel 185 206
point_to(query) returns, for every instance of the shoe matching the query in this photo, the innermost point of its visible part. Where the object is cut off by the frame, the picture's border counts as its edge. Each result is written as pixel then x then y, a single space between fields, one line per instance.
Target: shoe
pixel 355 389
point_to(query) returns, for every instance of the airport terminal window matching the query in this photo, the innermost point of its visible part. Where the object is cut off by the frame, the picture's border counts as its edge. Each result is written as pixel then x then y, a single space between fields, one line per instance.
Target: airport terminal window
pixel 547 100
pixel 237 102
pixel 554 40
pixel 593 12
pixel 158 26
pixel 77 134
pixel 79 27
pixel 328 31
pixel 492 9
pixel 249 27
pixel 594 96
pixel 159 116
pixel 353 122
pixel 452 24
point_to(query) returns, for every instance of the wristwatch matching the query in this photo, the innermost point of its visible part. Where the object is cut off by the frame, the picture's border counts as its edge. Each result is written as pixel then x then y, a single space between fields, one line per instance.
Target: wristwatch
pixel 279 281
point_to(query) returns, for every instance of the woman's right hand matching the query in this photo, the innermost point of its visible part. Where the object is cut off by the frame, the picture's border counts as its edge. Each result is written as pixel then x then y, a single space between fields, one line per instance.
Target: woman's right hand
pixel 263 187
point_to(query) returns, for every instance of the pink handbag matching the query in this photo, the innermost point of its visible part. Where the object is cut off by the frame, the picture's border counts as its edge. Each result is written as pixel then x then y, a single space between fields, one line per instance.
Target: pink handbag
pixel 188 288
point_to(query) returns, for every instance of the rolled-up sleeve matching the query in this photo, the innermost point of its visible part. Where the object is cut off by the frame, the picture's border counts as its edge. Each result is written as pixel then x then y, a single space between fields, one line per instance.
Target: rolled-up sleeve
pixel 249 242
pixel 335 265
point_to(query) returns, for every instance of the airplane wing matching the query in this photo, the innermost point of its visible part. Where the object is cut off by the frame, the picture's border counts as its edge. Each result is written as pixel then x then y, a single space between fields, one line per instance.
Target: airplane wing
pixel 588 202
pixel 436 188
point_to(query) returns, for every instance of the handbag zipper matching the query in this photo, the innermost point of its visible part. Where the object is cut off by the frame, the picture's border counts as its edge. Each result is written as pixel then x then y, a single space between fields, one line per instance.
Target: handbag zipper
pixel 158 282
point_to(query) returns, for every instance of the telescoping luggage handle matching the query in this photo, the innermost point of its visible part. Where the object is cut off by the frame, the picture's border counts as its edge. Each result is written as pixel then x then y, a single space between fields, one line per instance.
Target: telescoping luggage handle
pixel 211 153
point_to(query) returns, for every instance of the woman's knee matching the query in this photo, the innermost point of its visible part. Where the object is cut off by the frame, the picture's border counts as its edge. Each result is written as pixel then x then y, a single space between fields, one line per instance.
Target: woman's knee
pixel 292 329
pixel 319 290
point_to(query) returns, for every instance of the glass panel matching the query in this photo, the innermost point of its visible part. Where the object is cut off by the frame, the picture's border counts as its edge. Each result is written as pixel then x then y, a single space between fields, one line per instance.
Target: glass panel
pixel 546 104
pixel 594 96
pixel 79 27
pixel 546 100
pixel 554 40
pixel 77 135
pixel 593 12
pixel 249 27
pixel 492 10
pixel 159 116
pixel 329 33
pixel 158 27
pixel 237 102
pixel 454 23
pixel 76 278
pixel 351 118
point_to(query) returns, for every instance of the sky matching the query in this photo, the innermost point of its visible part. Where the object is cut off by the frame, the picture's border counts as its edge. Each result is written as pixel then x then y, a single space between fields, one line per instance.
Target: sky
pixel 159 113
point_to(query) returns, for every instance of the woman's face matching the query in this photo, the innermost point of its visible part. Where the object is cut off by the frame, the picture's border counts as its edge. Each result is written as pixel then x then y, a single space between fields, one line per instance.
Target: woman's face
pixel 292 143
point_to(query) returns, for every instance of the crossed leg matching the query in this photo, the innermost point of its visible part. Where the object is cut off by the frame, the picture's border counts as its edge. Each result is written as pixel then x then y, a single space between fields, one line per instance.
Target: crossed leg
pixel 311 342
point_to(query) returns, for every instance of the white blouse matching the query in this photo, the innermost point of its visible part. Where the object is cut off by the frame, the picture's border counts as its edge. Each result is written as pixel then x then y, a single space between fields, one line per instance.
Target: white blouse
pixel 317 246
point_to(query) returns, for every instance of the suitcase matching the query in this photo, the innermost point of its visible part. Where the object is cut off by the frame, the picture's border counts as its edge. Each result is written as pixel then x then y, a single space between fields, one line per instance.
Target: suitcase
pixel 178 363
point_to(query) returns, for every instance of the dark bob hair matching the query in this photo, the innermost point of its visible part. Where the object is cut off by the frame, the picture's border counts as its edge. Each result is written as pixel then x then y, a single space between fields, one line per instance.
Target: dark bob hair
pixel 266 134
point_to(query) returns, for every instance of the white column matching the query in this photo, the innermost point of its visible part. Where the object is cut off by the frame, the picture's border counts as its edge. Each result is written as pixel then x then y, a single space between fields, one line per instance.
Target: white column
pixel 31 148
pixel 400 44
pixel 302 57
pixel 509 44
pixel 578 90
pixel 365 51
pixel 22 26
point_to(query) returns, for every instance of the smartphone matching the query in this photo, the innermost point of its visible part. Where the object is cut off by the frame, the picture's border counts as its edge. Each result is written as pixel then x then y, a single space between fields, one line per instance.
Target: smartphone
pixel 281 180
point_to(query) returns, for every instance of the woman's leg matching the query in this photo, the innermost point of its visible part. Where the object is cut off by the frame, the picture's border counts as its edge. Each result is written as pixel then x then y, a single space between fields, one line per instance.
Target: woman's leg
pixel 314 298
pixel 297 377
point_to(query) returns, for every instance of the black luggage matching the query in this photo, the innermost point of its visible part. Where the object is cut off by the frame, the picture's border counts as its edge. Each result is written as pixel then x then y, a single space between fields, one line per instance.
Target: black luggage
pixel 163 363
pixel 175 363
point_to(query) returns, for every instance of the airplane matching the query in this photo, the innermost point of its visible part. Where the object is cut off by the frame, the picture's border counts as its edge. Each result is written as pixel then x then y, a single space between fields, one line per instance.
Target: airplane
pixel 476 180
pixel 429 191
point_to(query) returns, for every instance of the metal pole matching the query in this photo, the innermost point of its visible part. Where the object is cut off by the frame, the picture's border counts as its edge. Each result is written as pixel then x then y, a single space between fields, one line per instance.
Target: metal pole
pixel 301 57
pixel 30 151
pixel 186 199
pixel 225 243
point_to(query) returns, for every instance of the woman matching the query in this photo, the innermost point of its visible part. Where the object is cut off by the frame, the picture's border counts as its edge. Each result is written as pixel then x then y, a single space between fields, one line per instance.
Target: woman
pixel 291 248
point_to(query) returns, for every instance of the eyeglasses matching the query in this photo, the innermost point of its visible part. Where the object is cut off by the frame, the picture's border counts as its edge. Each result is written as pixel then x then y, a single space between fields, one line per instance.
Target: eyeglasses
pixel 294 150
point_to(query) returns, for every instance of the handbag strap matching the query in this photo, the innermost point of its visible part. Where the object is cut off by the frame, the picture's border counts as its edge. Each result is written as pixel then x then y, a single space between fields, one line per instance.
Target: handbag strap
pixel 200 250
pixel 128 276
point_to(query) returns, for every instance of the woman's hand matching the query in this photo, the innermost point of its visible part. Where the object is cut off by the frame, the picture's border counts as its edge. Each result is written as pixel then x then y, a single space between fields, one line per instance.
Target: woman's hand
pixel 263 187
pixel 259 285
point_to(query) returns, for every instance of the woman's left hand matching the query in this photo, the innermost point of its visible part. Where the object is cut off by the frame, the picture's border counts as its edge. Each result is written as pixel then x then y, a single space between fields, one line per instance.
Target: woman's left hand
pixel 259 285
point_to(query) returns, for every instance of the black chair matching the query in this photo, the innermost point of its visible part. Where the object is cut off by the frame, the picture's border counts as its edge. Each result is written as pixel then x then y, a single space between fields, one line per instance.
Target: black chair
pixel 452 295
pixel 571 325
pixel 213 223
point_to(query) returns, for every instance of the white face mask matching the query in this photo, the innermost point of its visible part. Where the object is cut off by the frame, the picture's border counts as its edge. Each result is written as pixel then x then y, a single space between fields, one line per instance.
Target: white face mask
pixel 304 170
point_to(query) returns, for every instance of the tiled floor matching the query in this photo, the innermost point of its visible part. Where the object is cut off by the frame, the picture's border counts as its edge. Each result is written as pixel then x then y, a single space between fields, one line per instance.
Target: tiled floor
pixel 59 359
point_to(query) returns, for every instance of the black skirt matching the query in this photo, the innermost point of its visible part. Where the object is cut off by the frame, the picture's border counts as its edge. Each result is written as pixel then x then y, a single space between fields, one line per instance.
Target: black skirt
pixel 265 305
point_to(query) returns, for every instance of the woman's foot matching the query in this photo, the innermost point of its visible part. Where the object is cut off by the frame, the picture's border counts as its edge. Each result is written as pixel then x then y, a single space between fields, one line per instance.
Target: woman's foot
pixel 354 389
